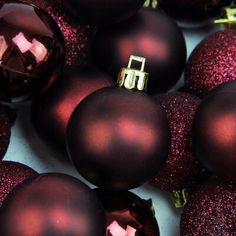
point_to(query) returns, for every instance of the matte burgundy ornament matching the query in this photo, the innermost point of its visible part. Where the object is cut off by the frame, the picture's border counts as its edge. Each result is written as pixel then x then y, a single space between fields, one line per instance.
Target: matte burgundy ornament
pixel 128 214
pixel 12 174
pixel 151 34
pixel 102 12
pixel 212 63
pixel 52 204
pixel 210 210
pixel 214 133
pixel 51 111
pixel 118 138
pixel 182 170
pixel 32 51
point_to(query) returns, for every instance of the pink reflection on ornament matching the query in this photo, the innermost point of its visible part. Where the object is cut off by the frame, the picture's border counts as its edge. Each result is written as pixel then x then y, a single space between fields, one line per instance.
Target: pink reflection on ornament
pixel 114 229
pixel 3 46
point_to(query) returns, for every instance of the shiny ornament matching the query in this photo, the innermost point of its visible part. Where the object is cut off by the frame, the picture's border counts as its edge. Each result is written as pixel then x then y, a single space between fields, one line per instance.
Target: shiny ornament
pixel 212 63
pixel 128 214
pixel 50 112
pixel 12 174
pixel 77 36
pixel 31 51
pixel 214 134
pixel 210 211
pixel 102 12
pixel 182 170
pixel 118 138
pixel 52 204
pixel 151 34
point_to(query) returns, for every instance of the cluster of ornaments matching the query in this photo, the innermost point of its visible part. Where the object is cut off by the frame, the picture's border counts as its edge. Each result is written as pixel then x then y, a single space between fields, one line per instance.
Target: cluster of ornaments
pixel 99 75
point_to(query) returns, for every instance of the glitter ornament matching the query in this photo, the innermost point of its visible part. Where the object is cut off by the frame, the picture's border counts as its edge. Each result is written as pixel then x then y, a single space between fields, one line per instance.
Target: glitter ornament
pixel 151 34
pixel 31 51
pixel 118 138
pixel 181 170
pixel 212 63
pixel 52 204
pixel 50 112
pixel 12 174
pixel 128 214
pixel 214 134
pixel 210 210
pixel 102 12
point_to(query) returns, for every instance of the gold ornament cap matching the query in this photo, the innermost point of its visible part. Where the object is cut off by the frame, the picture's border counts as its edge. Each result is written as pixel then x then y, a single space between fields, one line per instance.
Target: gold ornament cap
pixel 132 78
pixel 151 3
pixel 180 197
pixel 228 16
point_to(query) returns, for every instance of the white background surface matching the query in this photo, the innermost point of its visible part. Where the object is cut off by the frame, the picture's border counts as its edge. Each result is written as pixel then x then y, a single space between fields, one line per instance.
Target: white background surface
pixel 27 148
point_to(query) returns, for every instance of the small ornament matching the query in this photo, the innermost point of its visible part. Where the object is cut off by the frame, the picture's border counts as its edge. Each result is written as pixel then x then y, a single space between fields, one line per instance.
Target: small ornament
pixel 31 51
pixel 51 111
pixel 127 214
pixel 118 138
pixel 102 12
pixel 210 210
pixel 52 204
pixel 151 34
pixel 12 174
pixel 182 170
pixel 214 133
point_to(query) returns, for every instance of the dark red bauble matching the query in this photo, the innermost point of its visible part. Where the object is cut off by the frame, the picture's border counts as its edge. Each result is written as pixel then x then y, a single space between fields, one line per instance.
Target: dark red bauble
pixel 102 12
pixel 50 112
pixel 193 10
pixel 128 213
pixel 212 63
pixel 77 36
pixel 214 134
pixel 118 139
pixel 182 170
pixel 210 211
pixel 32 51
pixel 12 174
pixel 150 34
pixel 52 204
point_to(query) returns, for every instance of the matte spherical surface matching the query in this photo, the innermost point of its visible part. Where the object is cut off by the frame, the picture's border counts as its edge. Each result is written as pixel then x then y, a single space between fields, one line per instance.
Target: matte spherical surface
pixel 52 204
pixel 118 138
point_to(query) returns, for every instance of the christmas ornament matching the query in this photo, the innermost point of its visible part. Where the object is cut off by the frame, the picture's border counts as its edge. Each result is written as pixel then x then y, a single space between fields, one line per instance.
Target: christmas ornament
pixel 210 211
pixel 193 10
pixel 77 36
pixel 151 34
pixel 5 131
pixel 52 204
pixel 102 12
pixel 214 134
pixel 212 63
pixel 51 111
pixel 118 138
pixel 127 214
pixel 12 174
pixel 181 170
pixel 31 51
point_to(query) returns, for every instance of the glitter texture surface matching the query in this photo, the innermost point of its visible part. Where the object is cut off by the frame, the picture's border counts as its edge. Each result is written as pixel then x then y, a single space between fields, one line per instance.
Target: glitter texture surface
pixel 210 211
pixel 11 174
pixel 212 63
pixel 76 36
pixel 181 170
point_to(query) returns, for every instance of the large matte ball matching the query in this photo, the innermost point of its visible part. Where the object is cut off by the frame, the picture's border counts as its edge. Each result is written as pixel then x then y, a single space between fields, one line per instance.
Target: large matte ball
pixel 32 51
pixel 12 174
pixel 118 139
pixel 182 170
pixel 212 63
pixel 150 34
pixel 214 134
pixel 102 12
pixel 128 214
pixel 210 210
pixel 52 204
pixel 50 112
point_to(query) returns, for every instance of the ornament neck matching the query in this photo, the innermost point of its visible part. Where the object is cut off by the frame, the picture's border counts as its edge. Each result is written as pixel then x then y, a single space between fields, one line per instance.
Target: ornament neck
pixel 228 16
pixel 151 3
pixel 180 197
pixel 131 78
